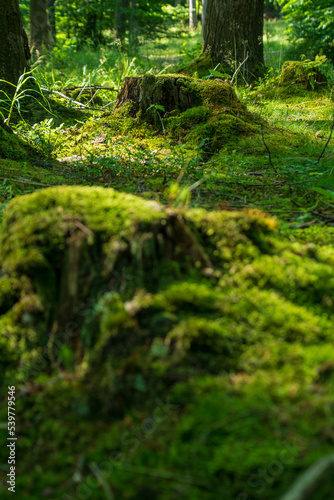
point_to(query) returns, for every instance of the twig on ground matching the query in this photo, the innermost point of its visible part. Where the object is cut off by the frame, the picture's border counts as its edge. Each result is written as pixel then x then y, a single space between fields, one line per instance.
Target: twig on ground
pixel 268 150
pixel 79 104
pixel 26 181
pixel 327 142
pixel 94 87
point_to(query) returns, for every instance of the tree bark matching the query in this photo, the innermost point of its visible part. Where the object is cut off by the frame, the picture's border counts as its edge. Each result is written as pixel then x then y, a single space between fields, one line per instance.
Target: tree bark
pixel 40 36
pixel 13 55
pixel 233 29
pixel 52 19
pixel 121 11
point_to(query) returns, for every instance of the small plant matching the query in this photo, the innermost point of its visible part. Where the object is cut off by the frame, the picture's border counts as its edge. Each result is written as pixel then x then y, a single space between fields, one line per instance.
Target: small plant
pixel 43 135
pixel 12 101
pixel 156 108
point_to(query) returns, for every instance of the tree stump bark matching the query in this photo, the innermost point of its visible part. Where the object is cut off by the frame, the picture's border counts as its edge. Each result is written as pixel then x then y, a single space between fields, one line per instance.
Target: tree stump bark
pixel 172 93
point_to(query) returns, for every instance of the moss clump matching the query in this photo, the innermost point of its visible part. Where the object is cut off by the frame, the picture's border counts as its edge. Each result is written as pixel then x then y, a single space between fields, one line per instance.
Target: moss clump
pixel 302 72
pixel 9 292
pixel 297 78
pixel 200 67
pixel 12 147
pixel 170 338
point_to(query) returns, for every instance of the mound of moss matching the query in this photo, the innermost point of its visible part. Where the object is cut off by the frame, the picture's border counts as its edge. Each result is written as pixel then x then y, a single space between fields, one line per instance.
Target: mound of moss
pixel 11 146
pixel 161 354
pixel 297 78
pixel 306 73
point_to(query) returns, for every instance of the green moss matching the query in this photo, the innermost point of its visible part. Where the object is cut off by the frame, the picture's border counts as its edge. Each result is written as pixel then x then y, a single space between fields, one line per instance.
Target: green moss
pixel 12 147
pixel 28 220
pixel 297 79
pixel 200 67
pixel 189 110
pixel 191 351
pixel 304 72
pixel 9 292
pixel 220 132
pixel 189 118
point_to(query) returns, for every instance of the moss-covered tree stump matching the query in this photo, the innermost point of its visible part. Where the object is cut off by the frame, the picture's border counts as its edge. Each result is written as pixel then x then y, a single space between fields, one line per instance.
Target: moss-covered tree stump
pixel 300 72
pixel 179 352
pixel 187 108
pixel 173 93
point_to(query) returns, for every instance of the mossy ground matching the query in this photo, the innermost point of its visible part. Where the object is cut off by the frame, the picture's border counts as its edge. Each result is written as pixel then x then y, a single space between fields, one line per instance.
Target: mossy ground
pixel 173 352
pixel 220 149
pixel 161 350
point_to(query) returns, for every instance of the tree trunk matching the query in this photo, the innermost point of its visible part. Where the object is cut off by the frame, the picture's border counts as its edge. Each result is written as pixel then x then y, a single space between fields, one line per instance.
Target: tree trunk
pixel 133 28
pixel 204 7
pixel 13 56
pixel 121 10
pixel 40 36
pixel 192 15
pixel 52 19
pixel 233 31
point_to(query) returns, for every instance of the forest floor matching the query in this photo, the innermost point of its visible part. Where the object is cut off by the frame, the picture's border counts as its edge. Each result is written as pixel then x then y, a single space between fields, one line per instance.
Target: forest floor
pixel 160 350
pixel 275 169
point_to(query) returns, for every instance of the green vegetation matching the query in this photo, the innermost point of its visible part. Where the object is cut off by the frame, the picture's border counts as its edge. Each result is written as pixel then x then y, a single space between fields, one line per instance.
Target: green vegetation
pixel 167 272
pixel 311 26
pixel 230 330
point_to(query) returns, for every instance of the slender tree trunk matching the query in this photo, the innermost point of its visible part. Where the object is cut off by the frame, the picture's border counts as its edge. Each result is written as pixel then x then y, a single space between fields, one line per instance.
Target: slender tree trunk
pixel 13 53
pixel 121 11
pixel 133 28
pixel 192 15
pixel 233 31
pixel 204 7
pixel 40 36
pixel 52 19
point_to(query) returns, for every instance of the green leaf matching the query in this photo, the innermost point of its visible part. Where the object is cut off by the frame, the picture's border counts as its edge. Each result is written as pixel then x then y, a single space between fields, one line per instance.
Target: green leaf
pixel 324 192
pixel 219 74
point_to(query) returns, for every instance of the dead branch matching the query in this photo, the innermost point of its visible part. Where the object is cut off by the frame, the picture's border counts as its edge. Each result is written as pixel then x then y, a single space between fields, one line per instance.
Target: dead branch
pixel 268 150
pixel 327 142
pixel 236 71
pixel 93 87
pixel 79 104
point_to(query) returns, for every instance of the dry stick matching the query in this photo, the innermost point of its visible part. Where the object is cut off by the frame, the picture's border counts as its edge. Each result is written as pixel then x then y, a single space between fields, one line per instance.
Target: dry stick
pixel 80 105
pixel 268 150
pixel 26 181
pixel 328 140
pixel 95 87
pixel 236 71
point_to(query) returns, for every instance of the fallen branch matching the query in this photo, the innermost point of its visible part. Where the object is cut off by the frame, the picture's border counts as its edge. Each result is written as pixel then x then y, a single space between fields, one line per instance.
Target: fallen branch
pixel 79 104
pixel 268 150
pixel 94 87
pixel 327 142
pixel 26 181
